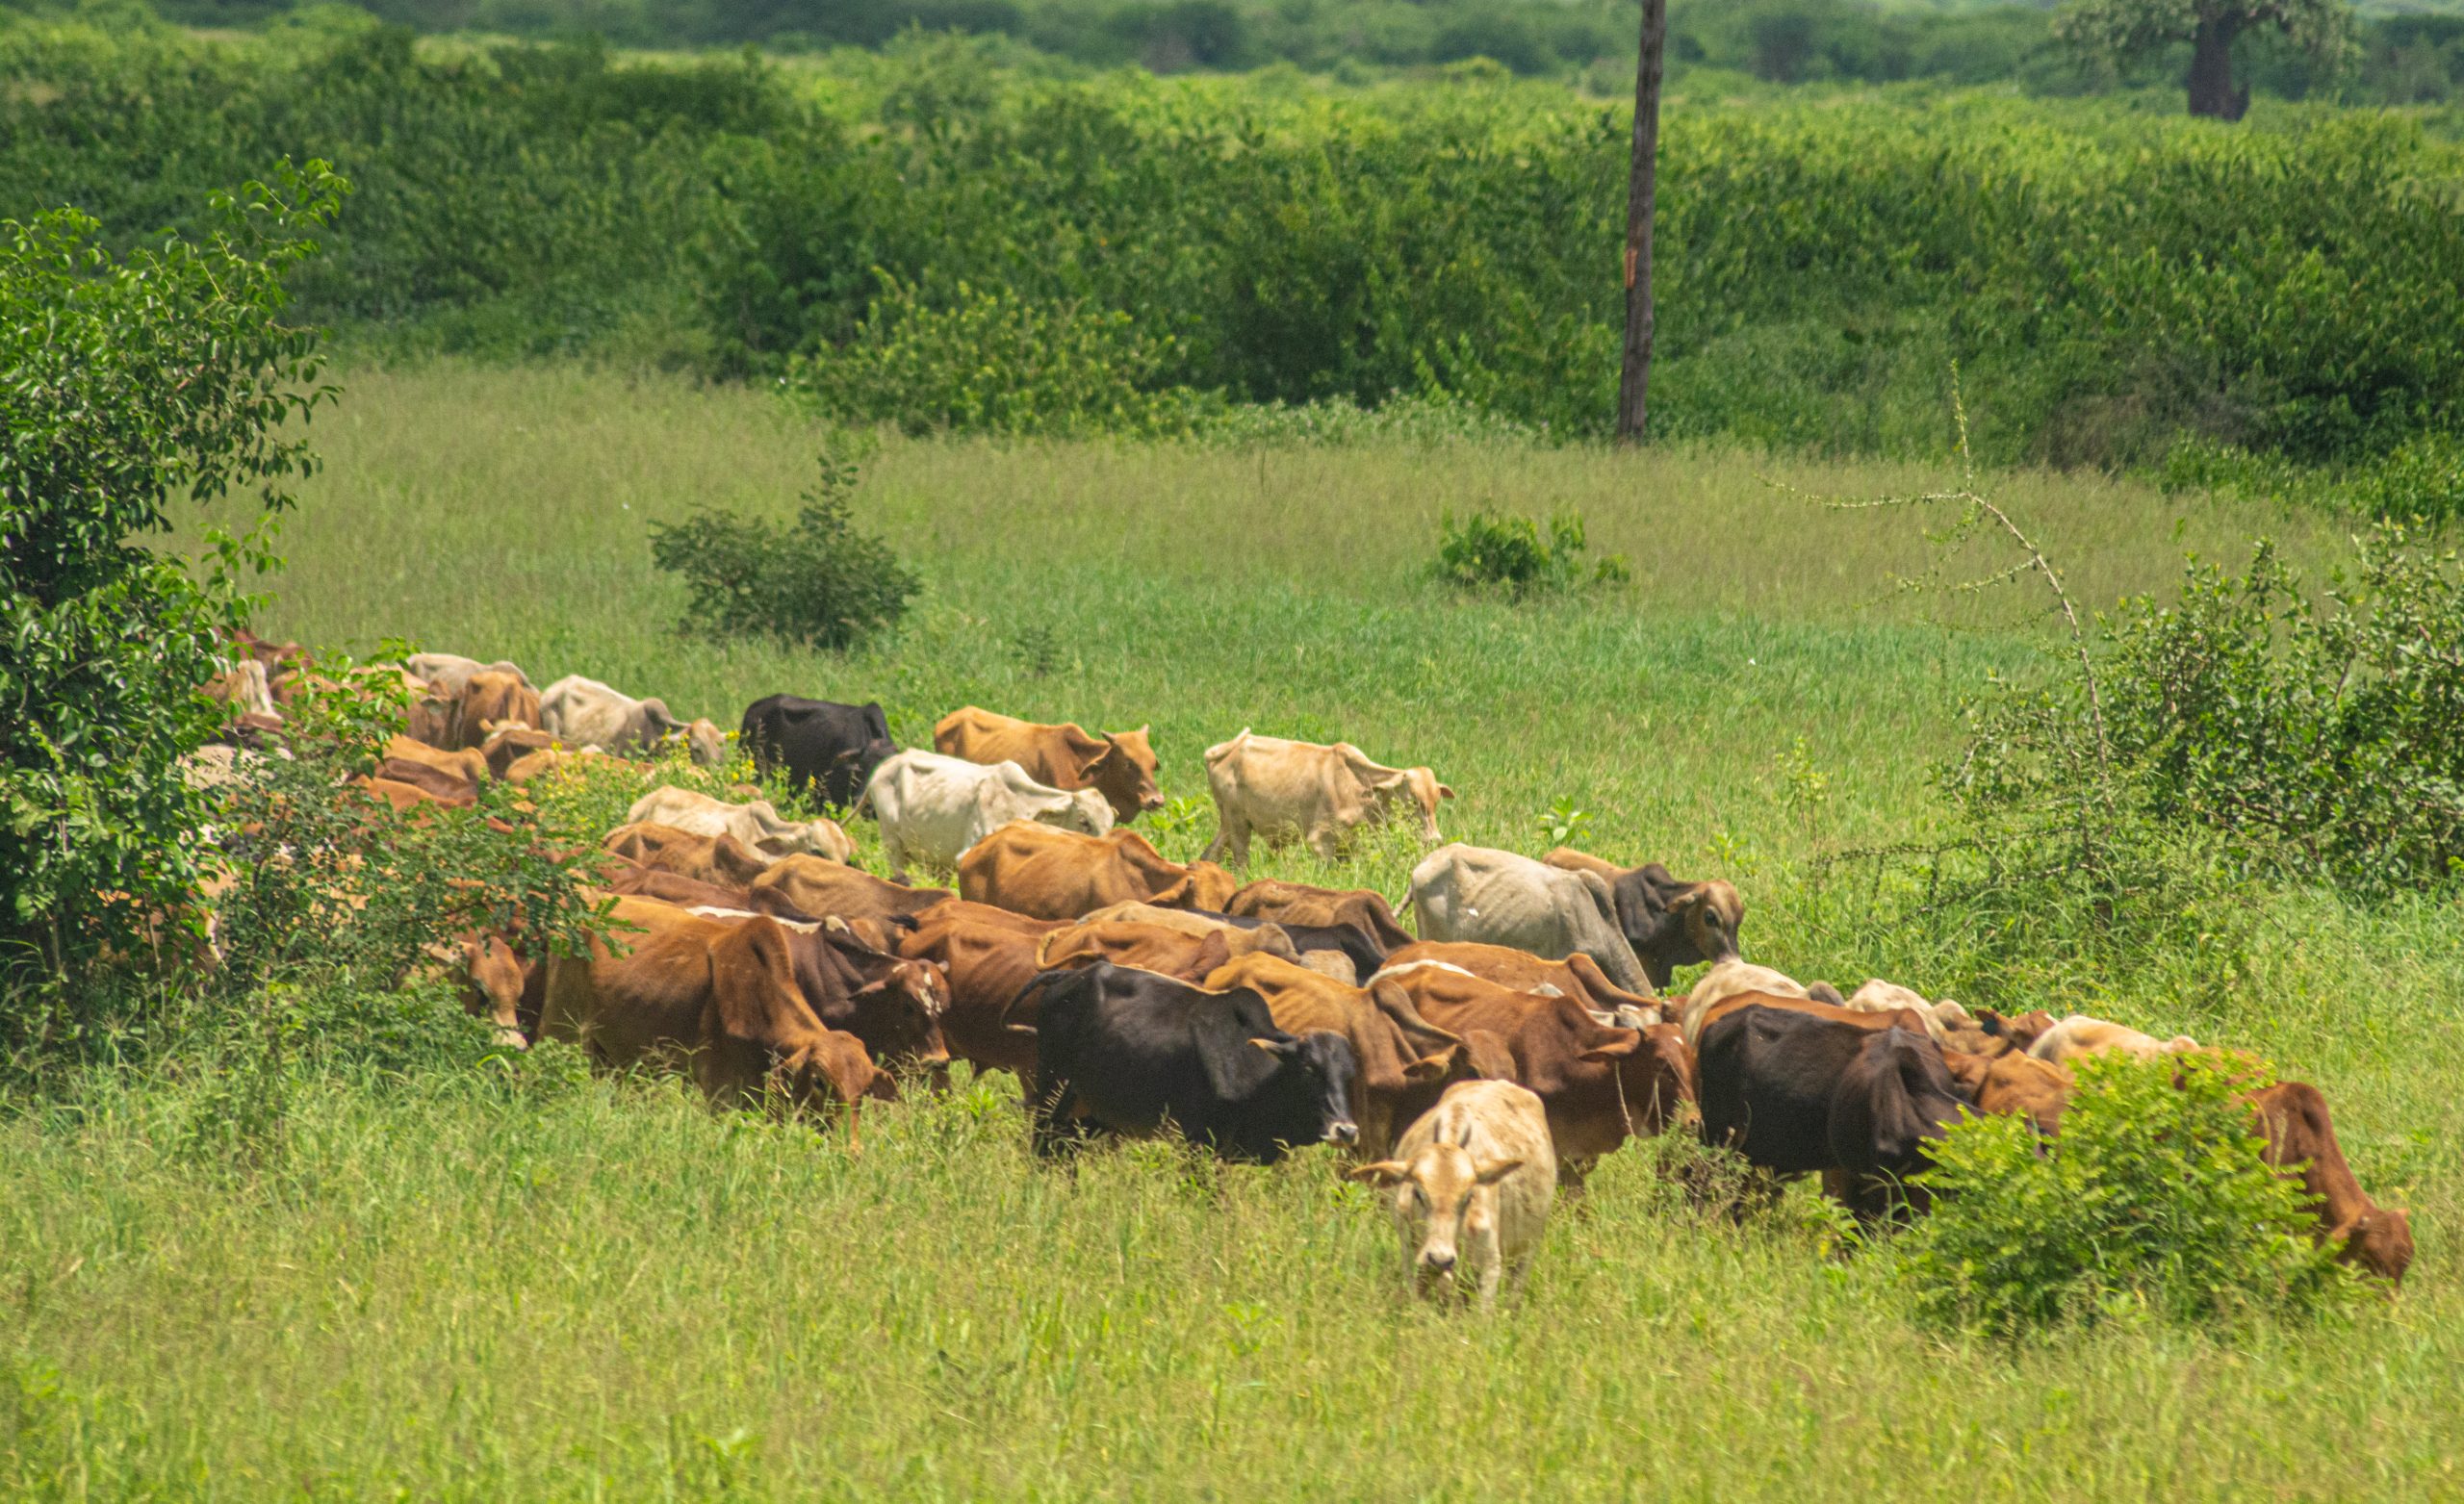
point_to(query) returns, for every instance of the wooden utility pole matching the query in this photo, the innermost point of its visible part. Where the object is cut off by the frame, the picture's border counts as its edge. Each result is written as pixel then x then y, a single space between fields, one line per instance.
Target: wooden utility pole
pixel 1633 386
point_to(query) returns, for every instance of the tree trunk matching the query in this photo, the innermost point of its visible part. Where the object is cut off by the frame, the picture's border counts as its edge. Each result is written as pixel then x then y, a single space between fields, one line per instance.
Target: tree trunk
pixel 1633 384
pixel 2211 87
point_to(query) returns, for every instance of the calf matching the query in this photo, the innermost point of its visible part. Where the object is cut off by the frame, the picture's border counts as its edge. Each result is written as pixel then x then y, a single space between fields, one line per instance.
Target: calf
pixel 1669 922
pixel 1119 765
pixel 2014 1084
pixel 1799 1094
pixel 2301 1142
pixel 817 743
pixel 1474 893
pixel 1133 1053
pixel 1473 1181
pixel 1033 869
pixel 756 823
pixel 1285 790
pixel 932 808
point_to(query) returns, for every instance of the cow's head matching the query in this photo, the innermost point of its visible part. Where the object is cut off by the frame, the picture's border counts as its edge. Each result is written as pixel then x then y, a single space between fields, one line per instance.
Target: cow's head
pixel 1124 773
pixel 2379 1240
pixel 904 1006
pixel 1446 1196
pixel 1325 1060
pixel 1408 797
pixel 1083 810
pixel 708 743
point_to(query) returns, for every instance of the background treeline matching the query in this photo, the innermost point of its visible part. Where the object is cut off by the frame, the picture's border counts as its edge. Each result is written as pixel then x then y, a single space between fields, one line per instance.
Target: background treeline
pixel 921 237
pixel 2405 59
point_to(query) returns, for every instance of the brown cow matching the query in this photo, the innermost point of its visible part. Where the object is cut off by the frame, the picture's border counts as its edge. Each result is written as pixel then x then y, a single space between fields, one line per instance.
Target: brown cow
pixel 406 797
pixel 1600 1084
pixel 1188 957
pixel 635 881
pixel 707 859
pixel 813 885
pixel 987 965
pixel 466 717
pixel 1300 903
pixel 465 764
pixel 509 745
pixel 1669 922
pixel 2012 1083
pixel 725 996
pixel 893 1004
pixel 1405 1063
pixel 2301 1141
pixel 1119 765
pixel 1579 977
pixel 435 782
pixel 1034 868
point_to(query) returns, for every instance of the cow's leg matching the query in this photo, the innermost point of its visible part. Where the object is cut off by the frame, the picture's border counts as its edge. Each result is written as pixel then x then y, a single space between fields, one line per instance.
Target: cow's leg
pixel 1231 844
pixel 1050 1104
pixel 1489 1287
pixel 1327 840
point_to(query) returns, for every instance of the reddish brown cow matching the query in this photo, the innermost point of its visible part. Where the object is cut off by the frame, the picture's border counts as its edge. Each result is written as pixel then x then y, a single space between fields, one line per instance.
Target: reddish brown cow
pixel 2301 1141
pixel 1579 977
pixel 1300 903
pixel 1188 957
pixel 1600 1084
pixel 815 885
pixel 1404 1061
pixel 2012 1083
pixel 1034 869
pixel 706 858
pixel 986 965
pixel 1119 765
pixel 723 996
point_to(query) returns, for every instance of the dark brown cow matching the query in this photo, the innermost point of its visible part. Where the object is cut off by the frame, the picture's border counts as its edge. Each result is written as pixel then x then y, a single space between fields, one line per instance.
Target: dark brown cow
pixel 1119 765
pixel 1405 1063
pixel 1300 903
pixel 1579 977
pixel 816 885
pixel 1670 923
pixel 2301 1141
pixel 893 1004
pixel 1600 1084
pixel 722 859
pixel 724 996
pixel 1034 869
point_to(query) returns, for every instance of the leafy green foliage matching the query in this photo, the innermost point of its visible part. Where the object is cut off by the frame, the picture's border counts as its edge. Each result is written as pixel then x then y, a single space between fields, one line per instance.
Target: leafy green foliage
pixel 1501 551
pixel 819 581
pixel 1565 823
pixel 2153 1202
pixel 135 383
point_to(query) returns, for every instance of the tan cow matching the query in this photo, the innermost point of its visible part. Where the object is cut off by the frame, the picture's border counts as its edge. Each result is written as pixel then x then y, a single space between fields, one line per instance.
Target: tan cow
pixel 1473 1182
pixel 2079 1034
pixel 1403 1059
pixel 465 763
pixel 756 823
pixel 244 687
pixel 1034 869
pixel 2014 1084
pixel 1119 765
pixel 1279 790
pixel 721 1000
pixel 1577 976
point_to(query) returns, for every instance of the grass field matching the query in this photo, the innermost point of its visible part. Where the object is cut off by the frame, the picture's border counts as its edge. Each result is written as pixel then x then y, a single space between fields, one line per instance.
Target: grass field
pixel 513 1282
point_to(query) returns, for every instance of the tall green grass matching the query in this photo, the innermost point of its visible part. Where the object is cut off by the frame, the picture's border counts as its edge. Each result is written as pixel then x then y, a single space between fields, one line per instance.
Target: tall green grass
pixel 511 1281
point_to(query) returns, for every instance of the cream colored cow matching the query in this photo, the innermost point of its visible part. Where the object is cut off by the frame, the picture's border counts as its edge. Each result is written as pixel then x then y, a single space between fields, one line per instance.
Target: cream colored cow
pixel 1279 790
pixel 1474 1180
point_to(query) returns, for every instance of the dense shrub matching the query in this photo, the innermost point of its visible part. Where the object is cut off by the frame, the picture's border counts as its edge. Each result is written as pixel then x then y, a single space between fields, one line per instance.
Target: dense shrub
pixel 819 581
pixel 2154 1202
pixel 135 385
pixel 1500 551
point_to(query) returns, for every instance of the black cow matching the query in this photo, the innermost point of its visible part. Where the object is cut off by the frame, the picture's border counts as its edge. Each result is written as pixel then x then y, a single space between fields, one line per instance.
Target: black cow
pixel 1131 1051
pixel 1796 1093
pixel 818 741
pixel 1363 949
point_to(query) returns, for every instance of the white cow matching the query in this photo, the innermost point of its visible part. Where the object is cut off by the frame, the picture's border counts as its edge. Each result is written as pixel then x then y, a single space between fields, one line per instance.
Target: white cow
pixel 586 713
pixel 1878 996
pixel 1474 1180
pixel 757 825
pixel 1727 979
pixel 2079 1034
pixel 446 673
pixel 932 808
pixel 1498 898
pixel 1283 790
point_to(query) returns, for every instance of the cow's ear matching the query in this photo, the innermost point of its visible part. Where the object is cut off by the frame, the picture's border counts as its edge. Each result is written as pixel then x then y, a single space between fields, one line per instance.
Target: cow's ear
pixel 1445 791
pixel 1488 1172
pixel 1383 1172
pixel 1429 1067
pixel 1615 1049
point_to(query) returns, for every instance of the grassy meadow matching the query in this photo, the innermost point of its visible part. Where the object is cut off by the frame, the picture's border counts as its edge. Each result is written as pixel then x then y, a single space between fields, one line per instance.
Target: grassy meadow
pixel 516 1281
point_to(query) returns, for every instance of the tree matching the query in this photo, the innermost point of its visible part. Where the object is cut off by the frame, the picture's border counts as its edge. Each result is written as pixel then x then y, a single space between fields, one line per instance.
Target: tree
pixel 134 384
pixel 1633 384
pixel 2119 31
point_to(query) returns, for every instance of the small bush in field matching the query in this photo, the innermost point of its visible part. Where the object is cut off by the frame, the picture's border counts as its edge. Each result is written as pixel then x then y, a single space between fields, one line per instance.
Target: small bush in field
pixel 2153 1201
pixel 818 582
pixel 1493 550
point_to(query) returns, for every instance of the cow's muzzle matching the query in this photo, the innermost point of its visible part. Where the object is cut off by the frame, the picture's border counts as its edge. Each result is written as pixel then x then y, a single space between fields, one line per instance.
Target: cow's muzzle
pixel 1346 1132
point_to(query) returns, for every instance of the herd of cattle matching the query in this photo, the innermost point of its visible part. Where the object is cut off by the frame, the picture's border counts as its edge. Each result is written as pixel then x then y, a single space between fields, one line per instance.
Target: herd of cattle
pixel 1526 1032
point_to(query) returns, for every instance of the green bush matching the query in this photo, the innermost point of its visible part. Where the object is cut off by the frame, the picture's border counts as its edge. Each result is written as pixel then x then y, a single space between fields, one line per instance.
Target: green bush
pixel 819 581
pixel 136 385
pixel 1501 551
pixel 2154 1202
